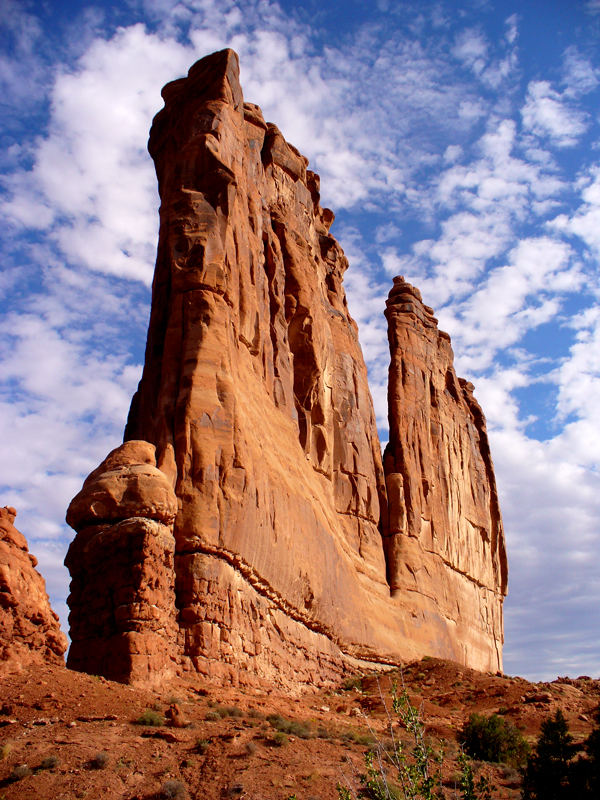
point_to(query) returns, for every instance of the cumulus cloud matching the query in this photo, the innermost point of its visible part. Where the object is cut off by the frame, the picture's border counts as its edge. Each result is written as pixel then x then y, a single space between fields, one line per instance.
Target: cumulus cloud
pixel 547 114
pixel 585 222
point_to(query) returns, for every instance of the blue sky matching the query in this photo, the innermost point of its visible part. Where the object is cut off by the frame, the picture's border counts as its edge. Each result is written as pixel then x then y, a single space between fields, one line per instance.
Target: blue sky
pixel 458 144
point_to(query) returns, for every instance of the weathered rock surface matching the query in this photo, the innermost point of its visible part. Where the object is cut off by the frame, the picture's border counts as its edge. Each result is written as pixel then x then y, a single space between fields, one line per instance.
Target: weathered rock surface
pixel 29 629
pixel 255 397
pixel 443 538
pixel 122 569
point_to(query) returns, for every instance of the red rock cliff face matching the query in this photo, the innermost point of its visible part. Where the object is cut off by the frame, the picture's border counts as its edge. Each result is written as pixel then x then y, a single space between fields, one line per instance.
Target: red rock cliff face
pixel 255 397
pixel 29 629
pixel 444 538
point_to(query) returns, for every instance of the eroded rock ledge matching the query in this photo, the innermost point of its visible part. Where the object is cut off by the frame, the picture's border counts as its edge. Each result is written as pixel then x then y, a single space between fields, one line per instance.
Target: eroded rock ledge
pixel 240 530
pixel 29 628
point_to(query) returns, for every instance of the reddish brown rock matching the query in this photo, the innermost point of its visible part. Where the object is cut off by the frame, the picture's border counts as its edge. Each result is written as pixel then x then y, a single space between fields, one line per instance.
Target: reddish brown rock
pixel 29 629
pixel 254 395
pixel 444 538
pixel 121 563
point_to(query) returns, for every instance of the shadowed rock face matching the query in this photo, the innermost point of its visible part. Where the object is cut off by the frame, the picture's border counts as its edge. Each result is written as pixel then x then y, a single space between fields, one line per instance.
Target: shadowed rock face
pixel 254 398
pixel 29 629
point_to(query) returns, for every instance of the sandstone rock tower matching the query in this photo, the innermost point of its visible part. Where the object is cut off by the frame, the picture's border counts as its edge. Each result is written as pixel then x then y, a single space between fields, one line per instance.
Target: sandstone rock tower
pixel 443 539
pixel 240 525
pixel 29 629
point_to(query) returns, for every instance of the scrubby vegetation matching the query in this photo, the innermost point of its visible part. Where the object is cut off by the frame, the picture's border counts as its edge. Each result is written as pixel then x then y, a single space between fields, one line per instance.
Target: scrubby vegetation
pixel 553 772
pixel 413 770
pixel 151 718
pixel 493 738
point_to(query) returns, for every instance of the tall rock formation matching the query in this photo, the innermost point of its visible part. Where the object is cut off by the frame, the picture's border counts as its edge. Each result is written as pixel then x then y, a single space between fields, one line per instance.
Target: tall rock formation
pixel 29 629
pixel 255 404
pixel 444 540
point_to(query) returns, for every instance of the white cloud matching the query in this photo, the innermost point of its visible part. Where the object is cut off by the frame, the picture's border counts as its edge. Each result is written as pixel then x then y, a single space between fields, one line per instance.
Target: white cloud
pixel 585 222
pixel 545 113
pixel 580 75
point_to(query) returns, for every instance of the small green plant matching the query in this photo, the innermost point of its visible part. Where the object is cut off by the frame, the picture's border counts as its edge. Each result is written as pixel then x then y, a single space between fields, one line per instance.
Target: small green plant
pixel 279 739
pixel 202 746
pixel 212 716
pixel 494 739
pixel 352 682
pixel 471 789
pixel 151 718
pixel 290 726
pixel 173 790
pixel 366 739
pixel 415 765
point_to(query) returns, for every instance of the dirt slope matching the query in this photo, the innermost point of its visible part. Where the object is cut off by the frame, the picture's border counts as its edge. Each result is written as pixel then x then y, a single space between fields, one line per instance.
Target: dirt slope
pixel 229 748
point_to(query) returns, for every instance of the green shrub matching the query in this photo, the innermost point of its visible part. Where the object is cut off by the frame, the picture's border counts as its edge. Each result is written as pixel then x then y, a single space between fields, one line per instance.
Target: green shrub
pixel 151 718
pixel 50 762
pixel 219 711
pixel 494 739
pixel 202 746
pixel 415 767
pixel 292 727
pixel 352 682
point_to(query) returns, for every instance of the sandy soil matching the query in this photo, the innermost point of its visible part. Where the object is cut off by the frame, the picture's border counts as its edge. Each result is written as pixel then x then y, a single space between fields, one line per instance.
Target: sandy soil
pixel 78 737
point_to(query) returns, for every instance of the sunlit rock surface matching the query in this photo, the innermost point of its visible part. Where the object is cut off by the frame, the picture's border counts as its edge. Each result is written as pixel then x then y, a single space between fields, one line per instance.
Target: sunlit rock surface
pixel 255 401
pixel 444 540
pixel 29 629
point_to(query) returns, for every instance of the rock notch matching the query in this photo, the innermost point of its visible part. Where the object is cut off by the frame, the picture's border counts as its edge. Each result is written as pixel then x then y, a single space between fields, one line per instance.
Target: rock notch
pixel 240 525
pixel 29 629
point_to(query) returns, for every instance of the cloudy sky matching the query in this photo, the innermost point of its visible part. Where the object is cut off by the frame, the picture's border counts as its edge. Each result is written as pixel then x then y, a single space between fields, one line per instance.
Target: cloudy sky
pixel 458 144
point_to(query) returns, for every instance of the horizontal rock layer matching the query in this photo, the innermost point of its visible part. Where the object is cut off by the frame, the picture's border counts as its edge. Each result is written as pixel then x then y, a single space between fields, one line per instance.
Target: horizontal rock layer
pixel 255 401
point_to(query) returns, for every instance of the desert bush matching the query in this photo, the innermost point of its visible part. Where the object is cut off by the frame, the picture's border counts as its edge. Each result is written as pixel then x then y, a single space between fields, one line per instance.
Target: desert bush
pixel 20 771
pixel 50 762
pixel 219 711
pixel 357 737
pixel 493 738
pixel 173 790
pixel 290 726
pixel 352 682
pixel 151 718
pixel 415 767
pixel 202 746
pixel 99 761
